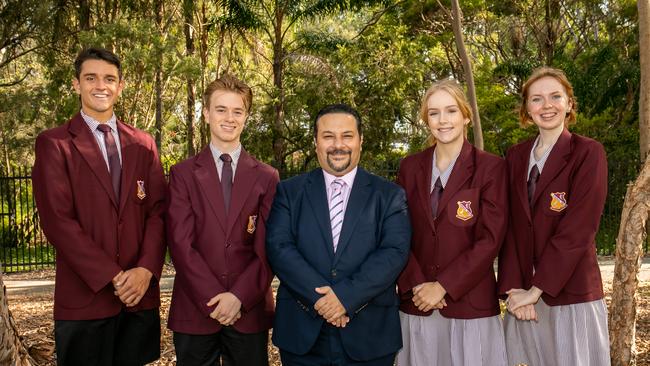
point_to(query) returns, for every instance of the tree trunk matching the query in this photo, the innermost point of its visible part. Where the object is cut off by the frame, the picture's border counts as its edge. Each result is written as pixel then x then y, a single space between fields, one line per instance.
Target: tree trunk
pixel 469 76
pixel 158 81
pixel 188 28
pixel 12 351
pixel 204 129
pixel 644 61
pixel 629 251
pixel 278 105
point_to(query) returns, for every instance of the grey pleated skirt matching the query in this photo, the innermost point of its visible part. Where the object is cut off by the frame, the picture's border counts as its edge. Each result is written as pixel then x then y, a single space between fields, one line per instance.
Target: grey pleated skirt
pixel 566 335
pixel 438 341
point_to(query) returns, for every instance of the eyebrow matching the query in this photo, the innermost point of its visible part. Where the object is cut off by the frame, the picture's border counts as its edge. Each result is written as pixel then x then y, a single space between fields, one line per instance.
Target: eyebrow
pixel 96 75
pixel 223 106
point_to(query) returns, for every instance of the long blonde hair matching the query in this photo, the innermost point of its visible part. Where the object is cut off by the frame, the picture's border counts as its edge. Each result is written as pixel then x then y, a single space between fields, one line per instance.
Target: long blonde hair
pixel 454 89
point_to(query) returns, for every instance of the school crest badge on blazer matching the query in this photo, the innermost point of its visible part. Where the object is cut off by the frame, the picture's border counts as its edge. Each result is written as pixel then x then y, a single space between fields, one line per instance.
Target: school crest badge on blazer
pixel 141 193
pixel 464 210
pixel 558 201
pixel 252 220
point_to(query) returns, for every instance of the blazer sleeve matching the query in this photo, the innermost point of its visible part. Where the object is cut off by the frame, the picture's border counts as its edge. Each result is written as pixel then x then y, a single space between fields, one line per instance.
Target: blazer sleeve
pixel 463 273
pixel 283 254
pixel 53 194
pixel 412 274
pixel 253 284
pixel 577 229
pixel 152 249
pixel 190 265
pixel 509 276
pixel 381 268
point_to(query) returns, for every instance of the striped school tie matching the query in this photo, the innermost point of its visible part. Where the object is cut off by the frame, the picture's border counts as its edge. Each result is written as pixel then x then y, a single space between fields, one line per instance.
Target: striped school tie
pixel 336 210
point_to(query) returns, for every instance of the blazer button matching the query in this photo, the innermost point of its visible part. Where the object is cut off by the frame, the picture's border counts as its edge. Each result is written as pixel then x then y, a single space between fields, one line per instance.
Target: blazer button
pixel 334 273
pixel 227 245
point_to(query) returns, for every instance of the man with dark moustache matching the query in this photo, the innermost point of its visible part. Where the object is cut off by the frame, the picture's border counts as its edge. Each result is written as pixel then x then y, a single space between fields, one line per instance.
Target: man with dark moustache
pixel 337 238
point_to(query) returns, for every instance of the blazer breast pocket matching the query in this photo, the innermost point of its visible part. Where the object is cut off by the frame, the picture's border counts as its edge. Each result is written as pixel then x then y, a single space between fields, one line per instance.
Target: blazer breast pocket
pixel 138 192
pixel 463 208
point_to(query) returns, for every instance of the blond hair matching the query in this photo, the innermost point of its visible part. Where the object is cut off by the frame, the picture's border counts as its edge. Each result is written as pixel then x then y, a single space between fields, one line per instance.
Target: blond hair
pixel 229 83
pixel 453 88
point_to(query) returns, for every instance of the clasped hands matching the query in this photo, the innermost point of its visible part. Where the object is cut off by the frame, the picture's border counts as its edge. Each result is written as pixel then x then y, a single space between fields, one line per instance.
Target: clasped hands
pixel 228 309
pixel 521 303
pixel 131 285
pixel 330 307
pixel 429 295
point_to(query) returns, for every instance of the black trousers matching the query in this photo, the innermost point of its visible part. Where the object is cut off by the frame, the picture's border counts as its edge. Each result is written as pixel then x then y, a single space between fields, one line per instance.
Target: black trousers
pixel 328 351
pixel 127 339
pixel 228 347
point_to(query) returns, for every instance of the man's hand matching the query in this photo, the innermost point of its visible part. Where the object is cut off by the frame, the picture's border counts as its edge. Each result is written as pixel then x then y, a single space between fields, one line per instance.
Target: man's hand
pixel 340 322
pixel 518 298
pixel 329 306
pixel 228 309
pixel 131 285
pixel 429 295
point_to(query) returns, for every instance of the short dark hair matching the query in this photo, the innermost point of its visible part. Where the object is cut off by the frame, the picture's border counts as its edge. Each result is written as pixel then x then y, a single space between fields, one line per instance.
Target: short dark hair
pixel 96 53
pixel 338 108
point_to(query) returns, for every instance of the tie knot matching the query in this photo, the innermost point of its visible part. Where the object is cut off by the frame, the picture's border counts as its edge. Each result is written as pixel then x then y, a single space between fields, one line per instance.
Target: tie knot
pixel 438 183
pixel 104 127
pixel 337 183
pixel 534 174
pixel 225 158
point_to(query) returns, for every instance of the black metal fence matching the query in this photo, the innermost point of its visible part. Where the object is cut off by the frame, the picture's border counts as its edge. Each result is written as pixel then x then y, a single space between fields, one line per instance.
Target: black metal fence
pixel 23 246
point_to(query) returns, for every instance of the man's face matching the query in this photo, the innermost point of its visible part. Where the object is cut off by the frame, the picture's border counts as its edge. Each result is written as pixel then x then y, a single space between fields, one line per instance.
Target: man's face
pixel 338 143
pixel 99 86
pixel 226 117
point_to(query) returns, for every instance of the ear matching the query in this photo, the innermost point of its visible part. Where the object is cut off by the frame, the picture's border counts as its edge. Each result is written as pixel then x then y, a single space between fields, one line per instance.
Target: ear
pixel 76 86
pixel 466 122
pixel 120 87
pixel 206 114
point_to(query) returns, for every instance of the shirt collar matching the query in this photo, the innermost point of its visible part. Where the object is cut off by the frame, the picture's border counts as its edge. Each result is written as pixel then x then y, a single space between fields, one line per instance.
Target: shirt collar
pixel 347 178
pixel 235 154
pixel 93 123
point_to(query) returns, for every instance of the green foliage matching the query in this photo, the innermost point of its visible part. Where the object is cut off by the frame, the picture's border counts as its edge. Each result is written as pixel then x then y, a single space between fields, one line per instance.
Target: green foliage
pixel 379 56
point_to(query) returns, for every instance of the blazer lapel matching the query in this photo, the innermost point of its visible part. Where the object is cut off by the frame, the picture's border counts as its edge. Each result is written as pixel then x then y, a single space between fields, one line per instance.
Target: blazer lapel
pixel 317 197
pixel 356 203
pixel 461 172
pixel 245 179
pixel 556 161
pixel 129 162
pixel 521 170
pixel 84 140
pixel 423 182
pixel 205 171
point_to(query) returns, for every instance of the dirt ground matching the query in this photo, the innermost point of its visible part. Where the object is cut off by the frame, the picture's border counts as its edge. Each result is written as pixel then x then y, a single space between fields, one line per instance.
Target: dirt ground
pixel 33 316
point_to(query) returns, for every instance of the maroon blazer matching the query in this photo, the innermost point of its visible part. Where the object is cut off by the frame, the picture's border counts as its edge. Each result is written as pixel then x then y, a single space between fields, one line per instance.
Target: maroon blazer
pixel 214 252
pixel 458 248
pixel 556 237
pixel 96 235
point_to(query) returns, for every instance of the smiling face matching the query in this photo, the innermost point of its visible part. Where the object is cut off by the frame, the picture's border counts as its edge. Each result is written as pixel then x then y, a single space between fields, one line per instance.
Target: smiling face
pixel 99 86
pixel 338 143
pixel 445 118
pixel 547 104
pixel 226 115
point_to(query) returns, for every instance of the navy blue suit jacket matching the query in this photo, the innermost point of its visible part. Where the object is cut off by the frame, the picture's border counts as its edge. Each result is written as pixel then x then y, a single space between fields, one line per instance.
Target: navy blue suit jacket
pixel 372 250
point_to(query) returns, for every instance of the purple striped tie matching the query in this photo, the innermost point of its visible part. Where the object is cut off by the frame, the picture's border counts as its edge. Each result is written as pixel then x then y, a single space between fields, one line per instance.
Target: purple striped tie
pixel 336 210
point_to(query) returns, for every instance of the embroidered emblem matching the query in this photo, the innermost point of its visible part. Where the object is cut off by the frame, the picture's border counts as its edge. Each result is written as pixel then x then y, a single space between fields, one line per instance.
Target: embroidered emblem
pixel 558 201
pixel 251 224
pixel 141 192
pixel 464 211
